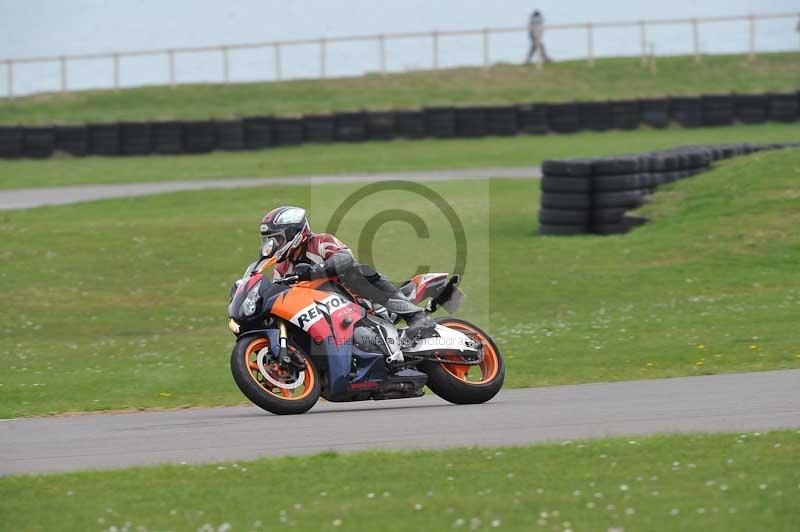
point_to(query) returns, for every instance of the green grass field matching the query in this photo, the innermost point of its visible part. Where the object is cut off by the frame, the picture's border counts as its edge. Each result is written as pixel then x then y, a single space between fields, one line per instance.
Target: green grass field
pixel 609 79
pixel 121 304
pixel 372 157
pixel 721 482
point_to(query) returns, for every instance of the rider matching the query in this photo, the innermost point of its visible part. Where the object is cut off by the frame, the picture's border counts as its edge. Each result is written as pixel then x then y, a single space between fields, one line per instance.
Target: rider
pixel 318 255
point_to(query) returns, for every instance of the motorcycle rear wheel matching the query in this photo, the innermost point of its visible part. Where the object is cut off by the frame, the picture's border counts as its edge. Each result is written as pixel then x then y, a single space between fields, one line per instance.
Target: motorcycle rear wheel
pixel 464 385
pixel 263 393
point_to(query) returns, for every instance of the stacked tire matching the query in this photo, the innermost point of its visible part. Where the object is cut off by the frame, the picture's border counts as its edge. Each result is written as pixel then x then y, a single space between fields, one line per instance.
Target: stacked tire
pixel 257 132
pixel 380 125
pixel 351 127
pixel 532 119
pixel 440 122
pixel 410 124
pixel 167 137
pixel 104 139
pixel 319 128
pixel 566 197
pixel 595 116
pixel 200 136
pixel 38 142
pixel 72 140
pixel 563 117
pixel 654 112
pixel 751 108
pixel 687 111
pixel 501 121
pixel 783 107
pixel 471 122
pixel 11 142
pixel 230 134
pixel 625 114
pixel 135 138
pixel 287 131
pixel 718 109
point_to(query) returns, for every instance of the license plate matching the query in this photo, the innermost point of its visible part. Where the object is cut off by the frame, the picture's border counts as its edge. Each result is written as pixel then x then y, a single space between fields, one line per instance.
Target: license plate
pixel 455 301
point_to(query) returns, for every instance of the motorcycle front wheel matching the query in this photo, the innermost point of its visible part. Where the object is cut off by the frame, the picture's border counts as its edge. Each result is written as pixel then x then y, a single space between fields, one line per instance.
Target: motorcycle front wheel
pixel 274 389
pixel 467 384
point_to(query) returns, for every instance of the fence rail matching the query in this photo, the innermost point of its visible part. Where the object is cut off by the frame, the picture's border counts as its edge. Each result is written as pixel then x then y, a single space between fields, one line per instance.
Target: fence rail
pixel 381 42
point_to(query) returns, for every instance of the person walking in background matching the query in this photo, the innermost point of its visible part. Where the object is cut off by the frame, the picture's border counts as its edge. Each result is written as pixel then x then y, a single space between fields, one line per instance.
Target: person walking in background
pixel 535 32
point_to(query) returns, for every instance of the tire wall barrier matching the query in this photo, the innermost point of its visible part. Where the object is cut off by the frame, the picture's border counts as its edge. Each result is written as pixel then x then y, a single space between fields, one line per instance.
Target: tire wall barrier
pixel 592 196
pixel 259 132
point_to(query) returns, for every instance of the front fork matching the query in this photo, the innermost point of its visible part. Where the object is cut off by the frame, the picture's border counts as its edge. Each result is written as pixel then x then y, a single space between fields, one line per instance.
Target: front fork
pixel 283 341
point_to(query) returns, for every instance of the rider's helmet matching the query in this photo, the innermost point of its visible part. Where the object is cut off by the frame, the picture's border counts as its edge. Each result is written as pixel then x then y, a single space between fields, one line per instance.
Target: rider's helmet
pixel 288 228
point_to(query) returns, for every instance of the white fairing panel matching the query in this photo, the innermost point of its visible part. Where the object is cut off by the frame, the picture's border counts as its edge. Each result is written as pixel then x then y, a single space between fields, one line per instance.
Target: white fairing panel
pixel 448 339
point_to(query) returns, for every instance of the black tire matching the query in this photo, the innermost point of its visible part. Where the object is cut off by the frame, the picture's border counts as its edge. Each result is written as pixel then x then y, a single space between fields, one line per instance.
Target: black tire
pixel 562 230
pixel 462 392
pixel 567 167
pixel 607 216
pixel 628 198
pixel 563 217
pixel 616 165
pixel 552 200
pixel 567 185
pixel 611 183
pixel 270 402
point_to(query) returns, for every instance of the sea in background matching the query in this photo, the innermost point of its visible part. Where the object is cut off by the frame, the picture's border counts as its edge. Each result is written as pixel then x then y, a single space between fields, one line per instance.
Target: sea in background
pixel 31 28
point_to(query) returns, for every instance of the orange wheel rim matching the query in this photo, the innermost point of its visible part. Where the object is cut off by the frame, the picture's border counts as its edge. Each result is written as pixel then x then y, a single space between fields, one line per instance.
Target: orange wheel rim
pixel 251 362
pixel 488 367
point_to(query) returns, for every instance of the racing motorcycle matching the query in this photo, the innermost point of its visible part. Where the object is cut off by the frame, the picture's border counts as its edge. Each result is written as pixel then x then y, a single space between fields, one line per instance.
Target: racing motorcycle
pixel 349 348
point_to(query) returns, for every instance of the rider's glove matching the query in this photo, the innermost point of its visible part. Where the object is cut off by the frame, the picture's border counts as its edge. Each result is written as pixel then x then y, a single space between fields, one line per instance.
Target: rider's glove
pixel 307 272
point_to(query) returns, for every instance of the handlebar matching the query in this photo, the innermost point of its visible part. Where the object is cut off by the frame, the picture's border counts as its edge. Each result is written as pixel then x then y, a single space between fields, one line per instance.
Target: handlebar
pixel 289 279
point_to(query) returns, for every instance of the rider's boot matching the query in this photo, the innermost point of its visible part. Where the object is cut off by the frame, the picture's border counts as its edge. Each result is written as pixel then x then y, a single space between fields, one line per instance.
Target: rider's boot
pixel 416 318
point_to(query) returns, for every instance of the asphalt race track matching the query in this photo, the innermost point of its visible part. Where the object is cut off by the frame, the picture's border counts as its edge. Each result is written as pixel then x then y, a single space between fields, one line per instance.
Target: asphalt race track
pixel 38 197
pixel 734 402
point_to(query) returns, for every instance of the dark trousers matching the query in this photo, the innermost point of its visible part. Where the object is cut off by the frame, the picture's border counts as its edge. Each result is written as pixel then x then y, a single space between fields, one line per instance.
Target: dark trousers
pixel 532 50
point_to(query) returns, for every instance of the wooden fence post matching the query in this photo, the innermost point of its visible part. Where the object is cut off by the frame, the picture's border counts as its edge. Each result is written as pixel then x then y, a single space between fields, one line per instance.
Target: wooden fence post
pixel 10 78
pixel 643 40
pixel 278 61
pixel 322 58
pixel 63 61
pixel 171 56
pixel 382 50
pixel 226 73
pixel 116 71
pixel 485 48
pixel 435 36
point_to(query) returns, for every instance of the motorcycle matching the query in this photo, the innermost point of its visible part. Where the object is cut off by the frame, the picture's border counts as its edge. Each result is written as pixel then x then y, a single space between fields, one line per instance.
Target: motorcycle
pixel 351 349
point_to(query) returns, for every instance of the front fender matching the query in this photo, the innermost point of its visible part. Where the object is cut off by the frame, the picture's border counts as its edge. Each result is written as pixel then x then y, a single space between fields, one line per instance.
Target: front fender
pixel 273 335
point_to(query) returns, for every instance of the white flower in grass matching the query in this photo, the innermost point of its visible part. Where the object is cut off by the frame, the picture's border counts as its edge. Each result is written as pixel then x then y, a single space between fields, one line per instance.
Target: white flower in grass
pixel 674 511
pixel 590 505
pixel 298 506
pixel 337 522
pixel 701 510
pixel 762 487
pixel 623 487
pixel 723 487
pixel 418 507
pixel 370 495
pixel 577 493
pixel 474 523
pixel 777 445
pixel 610 507
pixel 629 511
pixel 543 515
pixel 495 523
pixel 323 493
pixel 224 527
pixel 387 494
pixel 458 522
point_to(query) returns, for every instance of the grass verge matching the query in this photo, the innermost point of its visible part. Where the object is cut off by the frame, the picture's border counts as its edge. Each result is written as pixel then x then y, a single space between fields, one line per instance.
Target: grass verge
pixel 690 482
pixel 613 78
pixel 372 157
pixel 121 304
